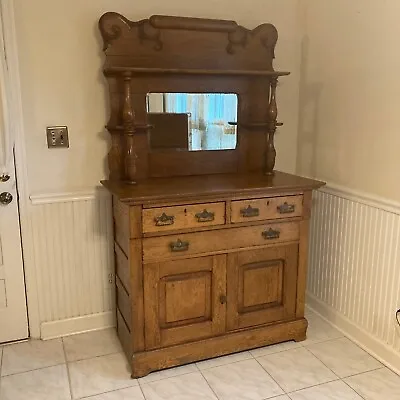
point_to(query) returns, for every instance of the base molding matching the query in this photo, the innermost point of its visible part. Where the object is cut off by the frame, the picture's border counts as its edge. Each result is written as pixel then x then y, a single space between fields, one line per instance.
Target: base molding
pixel 145 362
pixel 72 326
pixel 385 354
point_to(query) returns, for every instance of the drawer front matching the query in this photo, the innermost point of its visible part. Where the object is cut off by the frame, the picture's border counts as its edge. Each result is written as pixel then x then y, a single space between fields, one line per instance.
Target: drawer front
pixel 223 240
pixel 183 217
pixel 267 208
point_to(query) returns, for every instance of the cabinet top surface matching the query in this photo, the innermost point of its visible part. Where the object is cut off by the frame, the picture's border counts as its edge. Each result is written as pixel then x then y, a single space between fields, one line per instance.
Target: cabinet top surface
pixel 209 186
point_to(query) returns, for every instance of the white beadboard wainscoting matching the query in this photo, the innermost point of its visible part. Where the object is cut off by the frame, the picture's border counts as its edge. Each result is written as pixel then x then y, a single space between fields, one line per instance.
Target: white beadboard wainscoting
pixel 354 268
pixel 73 257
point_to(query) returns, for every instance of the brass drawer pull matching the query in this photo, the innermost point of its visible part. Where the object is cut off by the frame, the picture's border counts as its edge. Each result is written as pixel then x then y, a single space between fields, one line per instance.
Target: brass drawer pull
pixel 205 216
pixel 164 220
pixel 249 212
pixel 286 208
pixel 271 234
pixel 179 246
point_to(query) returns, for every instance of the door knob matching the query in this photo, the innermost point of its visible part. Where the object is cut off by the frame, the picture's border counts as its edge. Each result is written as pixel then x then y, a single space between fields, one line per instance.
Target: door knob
pixel 4 177
pixel 5 198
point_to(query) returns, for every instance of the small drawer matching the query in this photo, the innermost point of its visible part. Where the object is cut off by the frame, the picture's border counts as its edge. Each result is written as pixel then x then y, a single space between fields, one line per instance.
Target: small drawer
pixel 183 217
pixel 266 208
pixel 218 241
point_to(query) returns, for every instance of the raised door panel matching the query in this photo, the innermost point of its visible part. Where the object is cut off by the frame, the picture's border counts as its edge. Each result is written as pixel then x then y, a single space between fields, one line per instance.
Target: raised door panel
pixel 184 300
pixel 261 286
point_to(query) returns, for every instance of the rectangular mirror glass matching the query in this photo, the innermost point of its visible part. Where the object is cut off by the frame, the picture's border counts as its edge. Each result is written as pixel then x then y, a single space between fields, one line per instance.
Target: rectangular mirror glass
pixel 193 121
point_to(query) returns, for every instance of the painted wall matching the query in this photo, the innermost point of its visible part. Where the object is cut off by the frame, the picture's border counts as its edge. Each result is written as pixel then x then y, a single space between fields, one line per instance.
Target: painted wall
pixel 349 100
pixel 349 136
pixel 60 53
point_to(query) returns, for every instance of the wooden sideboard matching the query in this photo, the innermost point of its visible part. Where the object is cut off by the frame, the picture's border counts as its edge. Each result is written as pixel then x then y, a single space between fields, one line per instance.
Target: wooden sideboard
pixel 210 246
pixel 209 265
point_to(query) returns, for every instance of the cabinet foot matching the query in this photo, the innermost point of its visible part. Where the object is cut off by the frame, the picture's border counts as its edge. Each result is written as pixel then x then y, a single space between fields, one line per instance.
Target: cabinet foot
pixel 140 369
pixel 300 338
pixel 301 333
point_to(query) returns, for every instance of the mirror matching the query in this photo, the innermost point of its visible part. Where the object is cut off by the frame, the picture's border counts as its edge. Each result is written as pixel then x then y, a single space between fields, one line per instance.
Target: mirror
pixel 193 121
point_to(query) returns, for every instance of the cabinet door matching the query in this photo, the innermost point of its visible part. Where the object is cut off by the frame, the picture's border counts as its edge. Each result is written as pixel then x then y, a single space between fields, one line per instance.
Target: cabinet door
pixel 261 286
pixel 185 300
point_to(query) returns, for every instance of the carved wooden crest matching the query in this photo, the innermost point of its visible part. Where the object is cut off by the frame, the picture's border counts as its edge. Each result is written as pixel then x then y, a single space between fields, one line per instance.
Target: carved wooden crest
pixel 178 42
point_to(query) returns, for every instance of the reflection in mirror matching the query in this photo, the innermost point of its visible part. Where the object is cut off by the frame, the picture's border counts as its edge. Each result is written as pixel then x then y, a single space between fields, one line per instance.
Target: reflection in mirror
pixel 192 121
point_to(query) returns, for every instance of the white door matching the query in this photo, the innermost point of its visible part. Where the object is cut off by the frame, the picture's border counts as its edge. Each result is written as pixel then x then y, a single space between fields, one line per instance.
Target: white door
pixel 13 311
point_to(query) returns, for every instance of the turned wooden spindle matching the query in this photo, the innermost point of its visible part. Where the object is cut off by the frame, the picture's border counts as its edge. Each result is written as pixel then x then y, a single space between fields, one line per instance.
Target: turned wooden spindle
pixel 270 152
pixel 128 119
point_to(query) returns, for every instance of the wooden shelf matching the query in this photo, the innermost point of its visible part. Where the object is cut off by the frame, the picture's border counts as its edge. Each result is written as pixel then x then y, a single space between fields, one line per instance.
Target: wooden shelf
pixel 138 70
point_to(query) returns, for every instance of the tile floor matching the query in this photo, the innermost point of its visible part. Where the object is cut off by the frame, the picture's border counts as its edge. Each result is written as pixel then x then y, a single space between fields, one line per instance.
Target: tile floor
pixel 327 366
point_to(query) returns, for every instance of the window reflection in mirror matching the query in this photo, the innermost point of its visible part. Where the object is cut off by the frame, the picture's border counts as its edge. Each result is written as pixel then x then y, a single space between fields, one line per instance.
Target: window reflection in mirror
pixel 193 121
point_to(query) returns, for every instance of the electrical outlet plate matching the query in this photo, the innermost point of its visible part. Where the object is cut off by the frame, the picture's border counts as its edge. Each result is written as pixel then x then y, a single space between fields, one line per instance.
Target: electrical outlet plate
pixel 57 136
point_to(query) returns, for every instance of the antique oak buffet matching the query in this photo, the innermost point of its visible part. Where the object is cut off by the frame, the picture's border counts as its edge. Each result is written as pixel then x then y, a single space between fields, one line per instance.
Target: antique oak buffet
pixel 210 246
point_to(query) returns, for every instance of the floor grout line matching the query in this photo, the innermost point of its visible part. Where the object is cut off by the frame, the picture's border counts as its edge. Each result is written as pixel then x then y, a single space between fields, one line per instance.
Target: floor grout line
pixel 108 392
pixel 280 387
pixel 276 352
pixel 216 366
pixel 92 357
pixel 67 367
pixel 365 372
pixel 354 390
pixel 333 372
pixel 215 394
pixel 34 369
pixel 167 377
pixel 141 389
pixel 312 386
pixel 58 364
pixel 349 376
pixel 303 344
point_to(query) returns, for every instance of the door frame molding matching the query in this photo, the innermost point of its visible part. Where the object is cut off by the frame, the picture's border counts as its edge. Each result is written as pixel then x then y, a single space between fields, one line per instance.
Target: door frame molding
pixel 31 287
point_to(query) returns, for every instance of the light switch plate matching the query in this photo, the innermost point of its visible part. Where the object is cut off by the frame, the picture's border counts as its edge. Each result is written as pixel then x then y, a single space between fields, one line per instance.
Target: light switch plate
pixel 57 136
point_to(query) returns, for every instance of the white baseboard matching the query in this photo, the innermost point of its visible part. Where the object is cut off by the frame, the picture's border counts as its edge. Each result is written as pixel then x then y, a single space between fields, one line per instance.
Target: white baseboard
pixel 385 354
pixel 72 326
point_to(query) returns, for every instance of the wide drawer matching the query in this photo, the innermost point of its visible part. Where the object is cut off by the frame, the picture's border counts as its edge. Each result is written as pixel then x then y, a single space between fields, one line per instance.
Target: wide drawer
pixel 183 217
pixel 266 208
pixel 188 244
